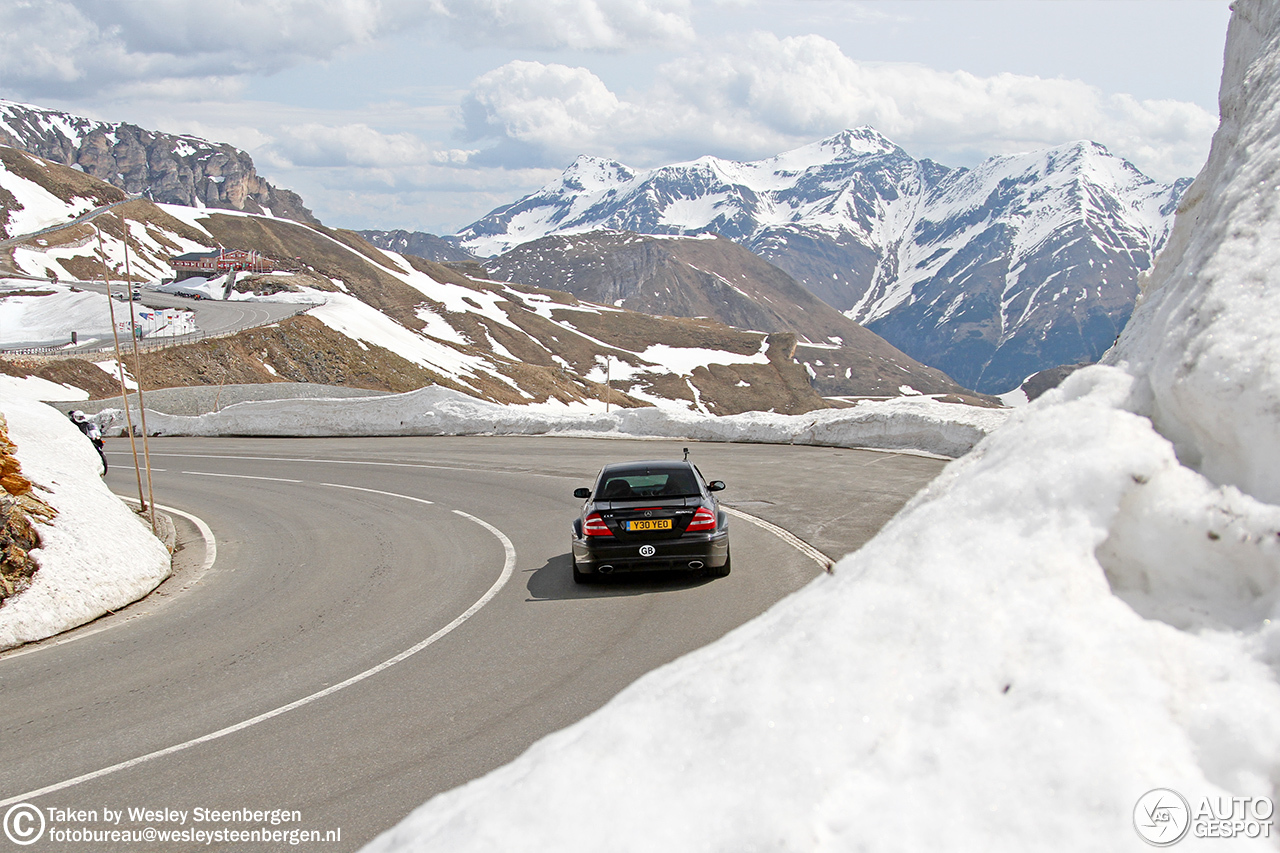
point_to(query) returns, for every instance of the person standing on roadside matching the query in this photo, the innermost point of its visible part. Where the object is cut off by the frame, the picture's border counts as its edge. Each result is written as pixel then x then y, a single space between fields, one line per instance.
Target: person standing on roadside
pixel 91 431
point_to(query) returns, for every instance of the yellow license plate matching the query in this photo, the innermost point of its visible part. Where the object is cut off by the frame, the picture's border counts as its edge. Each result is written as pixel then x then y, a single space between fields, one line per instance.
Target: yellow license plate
pixel 649 524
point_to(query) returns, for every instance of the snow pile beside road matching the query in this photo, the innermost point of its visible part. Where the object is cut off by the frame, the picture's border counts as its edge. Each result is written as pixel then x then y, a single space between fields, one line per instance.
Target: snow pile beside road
pixel 1069 616
pixel 1204 340
pixel 48 312
pixel 96 556
pixel 909 423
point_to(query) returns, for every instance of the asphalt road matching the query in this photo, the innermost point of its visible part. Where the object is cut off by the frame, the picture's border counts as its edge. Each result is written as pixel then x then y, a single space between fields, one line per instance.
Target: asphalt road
pixel 212 317
pixel 335 557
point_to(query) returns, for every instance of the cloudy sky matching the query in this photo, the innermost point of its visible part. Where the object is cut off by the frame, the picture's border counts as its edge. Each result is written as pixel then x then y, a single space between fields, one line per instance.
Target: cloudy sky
pixel 426 114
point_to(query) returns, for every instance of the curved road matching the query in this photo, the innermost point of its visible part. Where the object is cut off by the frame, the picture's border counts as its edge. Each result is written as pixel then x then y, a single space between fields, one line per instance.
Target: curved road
pixel 336 557
pixel 213 317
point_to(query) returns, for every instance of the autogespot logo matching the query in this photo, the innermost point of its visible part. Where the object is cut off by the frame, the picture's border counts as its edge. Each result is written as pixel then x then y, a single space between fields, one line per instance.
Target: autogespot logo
pixel 23 824
pixel 1162 817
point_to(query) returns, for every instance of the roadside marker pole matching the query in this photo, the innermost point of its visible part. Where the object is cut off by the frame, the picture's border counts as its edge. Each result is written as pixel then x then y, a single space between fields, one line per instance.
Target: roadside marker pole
pixel 115 334
pixel 137 372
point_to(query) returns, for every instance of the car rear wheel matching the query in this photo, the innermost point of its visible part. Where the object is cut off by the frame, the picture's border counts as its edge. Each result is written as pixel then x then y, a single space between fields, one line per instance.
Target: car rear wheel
pixel 723 570
pixel 581 577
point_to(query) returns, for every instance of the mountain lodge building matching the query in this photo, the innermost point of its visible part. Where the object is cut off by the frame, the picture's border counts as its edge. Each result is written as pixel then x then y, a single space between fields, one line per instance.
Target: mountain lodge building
pixel 208 264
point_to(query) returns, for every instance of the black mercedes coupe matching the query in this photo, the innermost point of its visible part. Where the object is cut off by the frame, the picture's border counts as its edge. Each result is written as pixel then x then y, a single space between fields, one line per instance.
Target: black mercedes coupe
pixel 650 516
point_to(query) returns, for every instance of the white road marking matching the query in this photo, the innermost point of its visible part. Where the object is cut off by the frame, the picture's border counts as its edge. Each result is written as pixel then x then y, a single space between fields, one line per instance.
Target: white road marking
pixel 786 536
pixel 210 554
pixel 241 477
pixel 508 568
pixel 380 492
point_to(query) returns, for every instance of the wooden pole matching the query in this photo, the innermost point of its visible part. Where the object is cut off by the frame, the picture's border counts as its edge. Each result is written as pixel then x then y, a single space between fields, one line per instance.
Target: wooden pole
pixel 137 373
pixel 124 390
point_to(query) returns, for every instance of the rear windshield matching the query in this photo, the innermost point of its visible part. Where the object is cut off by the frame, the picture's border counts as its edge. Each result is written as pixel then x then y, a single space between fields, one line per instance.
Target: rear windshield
pixel 653 483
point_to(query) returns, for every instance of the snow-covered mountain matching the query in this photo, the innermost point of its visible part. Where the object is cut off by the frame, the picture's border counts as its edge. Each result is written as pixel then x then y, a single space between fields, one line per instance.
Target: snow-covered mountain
pixel 989 274
pixel 1024 263
pixel 163 167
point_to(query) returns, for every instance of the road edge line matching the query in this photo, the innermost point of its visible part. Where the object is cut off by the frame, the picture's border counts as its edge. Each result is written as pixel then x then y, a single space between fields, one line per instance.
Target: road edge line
pixel 786 536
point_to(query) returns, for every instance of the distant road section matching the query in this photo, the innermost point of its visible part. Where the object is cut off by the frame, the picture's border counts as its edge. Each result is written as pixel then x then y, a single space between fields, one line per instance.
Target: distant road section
pixel 212 318
pixel 84 217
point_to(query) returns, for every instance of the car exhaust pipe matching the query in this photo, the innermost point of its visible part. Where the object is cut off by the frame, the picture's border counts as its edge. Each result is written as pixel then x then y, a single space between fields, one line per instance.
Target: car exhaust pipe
pixel 696 564
pixel 604 570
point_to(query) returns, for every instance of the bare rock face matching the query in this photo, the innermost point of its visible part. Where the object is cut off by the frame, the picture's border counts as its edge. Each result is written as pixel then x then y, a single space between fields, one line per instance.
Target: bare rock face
pixel 18 507
pixel 163 167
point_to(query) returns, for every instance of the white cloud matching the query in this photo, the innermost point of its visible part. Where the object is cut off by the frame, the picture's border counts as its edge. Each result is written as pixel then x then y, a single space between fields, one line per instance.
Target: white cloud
pixel 67 48
pixel 756 98
pixel 572 24
pixel 541 109
pixel 315 144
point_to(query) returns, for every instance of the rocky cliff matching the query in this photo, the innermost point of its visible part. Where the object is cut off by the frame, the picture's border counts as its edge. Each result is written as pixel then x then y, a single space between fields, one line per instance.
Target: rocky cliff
pixel 166 168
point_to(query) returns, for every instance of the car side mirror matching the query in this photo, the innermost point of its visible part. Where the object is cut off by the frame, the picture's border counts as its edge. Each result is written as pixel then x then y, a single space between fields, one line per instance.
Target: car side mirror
pixel 715 486
pixel 582 493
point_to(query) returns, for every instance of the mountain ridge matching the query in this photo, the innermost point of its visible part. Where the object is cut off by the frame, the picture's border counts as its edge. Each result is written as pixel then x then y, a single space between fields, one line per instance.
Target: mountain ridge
pixel 710 276
pixel 899 244
pixel 164 167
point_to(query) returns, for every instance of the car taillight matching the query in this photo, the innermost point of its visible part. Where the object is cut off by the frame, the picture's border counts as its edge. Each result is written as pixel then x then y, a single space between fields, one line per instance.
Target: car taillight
pixel 595 526
pixel 703 519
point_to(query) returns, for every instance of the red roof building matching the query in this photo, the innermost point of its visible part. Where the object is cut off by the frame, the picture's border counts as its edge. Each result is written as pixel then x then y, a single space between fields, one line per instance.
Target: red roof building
pixel 218 262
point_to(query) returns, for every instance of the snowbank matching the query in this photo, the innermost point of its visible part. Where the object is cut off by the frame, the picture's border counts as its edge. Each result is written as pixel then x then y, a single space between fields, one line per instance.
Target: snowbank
pixel 27 320
pixel 911 423
pixel 1203 340
pixel 97 555
pixel 1078 611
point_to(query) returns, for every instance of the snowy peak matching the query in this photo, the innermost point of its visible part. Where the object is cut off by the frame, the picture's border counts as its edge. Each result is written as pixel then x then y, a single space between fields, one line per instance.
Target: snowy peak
pixel 591 174
pixel 735 199
pixel 848 146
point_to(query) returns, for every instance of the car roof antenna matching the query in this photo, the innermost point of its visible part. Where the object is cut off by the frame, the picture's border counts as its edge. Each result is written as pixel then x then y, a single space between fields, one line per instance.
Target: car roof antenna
pixel 686 454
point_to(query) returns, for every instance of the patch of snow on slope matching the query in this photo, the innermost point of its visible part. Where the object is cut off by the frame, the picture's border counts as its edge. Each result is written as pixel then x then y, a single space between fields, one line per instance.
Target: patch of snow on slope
pixel 36 388
pixel 682 361
pixel 362 322
pixel 41 319
pixel 39 208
